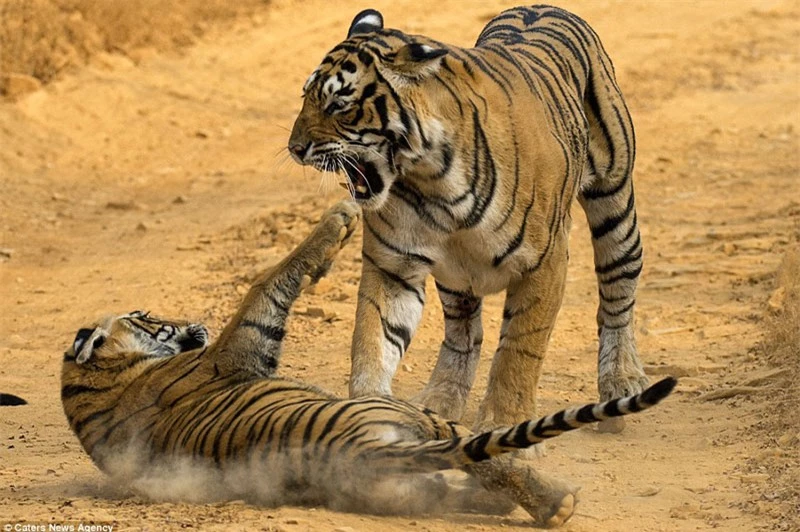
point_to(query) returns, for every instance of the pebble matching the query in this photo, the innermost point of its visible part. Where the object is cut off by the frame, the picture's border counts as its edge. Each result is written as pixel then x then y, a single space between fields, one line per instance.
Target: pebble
pixel 323 286
pixel 241 289
pixel 128 205
pixel 407 368
pixel 789 439
pixel 315 312
pixel 649 491
pixel 777 300
pixel 19 85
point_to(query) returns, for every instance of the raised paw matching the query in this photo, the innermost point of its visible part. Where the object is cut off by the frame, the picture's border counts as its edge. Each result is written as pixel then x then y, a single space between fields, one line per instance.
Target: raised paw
pixel 341 220
pixel 334 230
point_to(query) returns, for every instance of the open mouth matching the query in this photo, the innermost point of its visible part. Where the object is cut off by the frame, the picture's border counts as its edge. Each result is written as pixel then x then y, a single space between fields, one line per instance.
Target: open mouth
pixel 364 180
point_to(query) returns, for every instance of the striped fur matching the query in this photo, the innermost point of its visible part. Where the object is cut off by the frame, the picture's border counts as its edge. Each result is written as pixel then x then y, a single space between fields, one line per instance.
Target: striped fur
pixel 136 381
pixel 466 162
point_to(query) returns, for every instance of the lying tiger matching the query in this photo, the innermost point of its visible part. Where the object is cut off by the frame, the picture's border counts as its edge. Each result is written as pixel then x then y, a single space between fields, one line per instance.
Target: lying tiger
pixel 136 381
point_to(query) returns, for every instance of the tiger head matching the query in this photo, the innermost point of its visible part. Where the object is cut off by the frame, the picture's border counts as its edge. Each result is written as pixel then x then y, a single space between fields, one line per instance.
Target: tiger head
pixel 369 110
pixel 118 342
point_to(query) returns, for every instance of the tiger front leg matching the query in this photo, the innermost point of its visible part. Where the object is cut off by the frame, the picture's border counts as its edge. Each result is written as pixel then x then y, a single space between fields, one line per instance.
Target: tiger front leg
pixel 389 309
pixel 451 381
pixel 251 342
pixel 529 314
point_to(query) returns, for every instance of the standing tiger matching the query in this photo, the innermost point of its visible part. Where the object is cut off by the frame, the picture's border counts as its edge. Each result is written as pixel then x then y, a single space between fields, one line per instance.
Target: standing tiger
pixel 135 385
pixel 466 162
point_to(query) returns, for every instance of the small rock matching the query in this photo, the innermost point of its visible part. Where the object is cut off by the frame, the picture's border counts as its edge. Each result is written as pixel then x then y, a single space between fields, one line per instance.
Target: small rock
pixel 754 478
pixel 323 286
pixel 315 312
pixel 344 529
pixel 777 300
pixel 5 254
pixel 729 248
pixel 179 200
pixel 17 341
pixel 407 368
pixel 201 134
pixel 16 86
pixel 129 205
pixel 141 226
pixel 649 491
pixel 241 289
pixel 292 521
pixel 789 440
pixel 55 196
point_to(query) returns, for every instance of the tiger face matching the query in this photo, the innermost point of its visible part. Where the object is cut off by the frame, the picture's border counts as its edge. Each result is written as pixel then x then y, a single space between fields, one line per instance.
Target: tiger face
pixel 118 340
pixel 361 116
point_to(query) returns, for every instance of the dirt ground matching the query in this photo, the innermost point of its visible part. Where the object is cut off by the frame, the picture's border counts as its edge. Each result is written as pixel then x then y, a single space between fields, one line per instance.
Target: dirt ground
pixel 164 185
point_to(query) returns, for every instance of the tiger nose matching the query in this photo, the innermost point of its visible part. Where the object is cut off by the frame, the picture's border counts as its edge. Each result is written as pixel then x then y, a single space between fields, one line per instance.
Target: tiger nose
pixel 299 150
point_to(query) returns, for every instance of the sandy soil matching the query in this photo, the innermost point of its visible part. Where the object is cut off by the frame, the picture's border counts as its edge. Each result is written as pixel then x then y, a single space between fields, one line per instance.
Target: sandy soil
pixel 165 186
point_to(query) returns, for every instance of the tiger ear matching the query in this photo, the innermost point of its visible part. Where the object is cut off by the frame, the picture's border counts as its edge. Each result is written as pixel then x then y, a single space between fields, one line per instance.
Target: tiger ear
pixel 418 60
pixel 86 341
pixel 367 21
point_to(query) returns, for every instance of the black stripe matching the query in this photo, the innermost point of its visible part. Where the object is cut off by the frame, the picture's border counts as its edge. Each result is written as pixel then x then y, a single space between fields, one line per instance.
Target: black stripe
pixel 586 415
pixel 71 390
pixel 516 242
pixel 627 257
pixel 611 223
pixel 270 332
pixel 407 254
pixel 395 278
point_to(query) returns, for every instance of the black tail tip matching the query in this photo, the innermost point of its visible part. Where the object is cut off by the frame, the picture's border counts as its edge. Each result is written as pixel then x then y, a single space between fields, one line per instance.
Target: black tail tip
pixel 7 399
pixel 659 390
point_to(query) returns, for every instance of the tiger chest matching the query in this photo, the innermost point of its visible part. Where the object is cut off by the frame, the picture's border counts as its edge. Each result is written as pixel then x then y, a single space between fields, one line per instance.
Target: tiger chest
pixel 468 265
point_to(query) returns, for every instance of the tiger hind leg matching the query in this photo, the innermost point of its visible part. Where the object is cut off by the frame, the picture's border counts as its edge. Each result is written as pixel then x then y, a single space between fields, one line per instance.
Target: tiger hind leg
pixel 607 198
pixel 549 501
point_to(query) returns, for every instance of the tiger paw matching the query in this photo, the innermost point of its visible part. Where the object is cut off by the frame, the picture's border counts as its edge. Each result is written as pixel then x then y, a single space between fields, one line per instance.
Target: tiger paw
pixel 334 230
pixel 614 386
pixel 563 512
pixel 446 399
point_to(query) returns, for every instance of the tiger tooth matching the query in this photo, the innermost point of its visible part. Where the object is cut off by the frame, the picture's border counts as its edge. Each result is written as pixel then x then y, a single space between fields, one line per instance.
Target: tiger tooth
pixel 361 189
